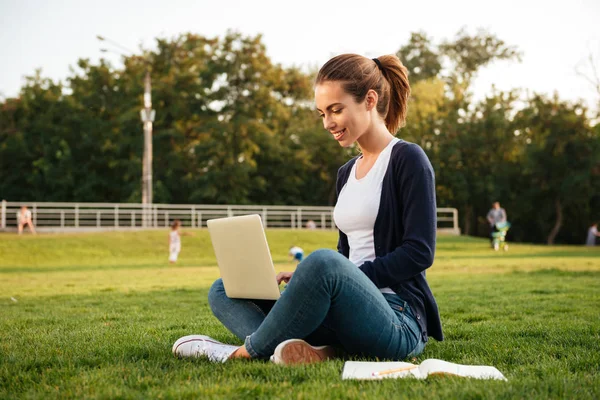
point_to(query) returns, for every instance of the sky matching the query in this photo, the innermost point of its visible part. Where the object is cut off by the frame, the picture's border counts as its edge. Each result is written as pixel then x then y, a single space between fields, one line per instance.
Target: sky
pixel 555 37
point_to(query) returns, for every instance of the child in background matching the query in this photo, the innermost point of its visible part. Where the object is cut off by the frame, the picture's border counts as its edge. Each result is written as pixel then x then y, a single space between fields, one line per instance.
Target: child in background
pixel 174 242
pixel 296 253
pixel 24 218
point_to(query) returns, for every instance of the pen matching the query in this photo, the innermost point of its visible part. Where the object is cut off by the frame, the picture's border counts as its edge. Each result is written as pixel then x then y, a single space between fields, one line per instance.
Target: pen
pixel 391 371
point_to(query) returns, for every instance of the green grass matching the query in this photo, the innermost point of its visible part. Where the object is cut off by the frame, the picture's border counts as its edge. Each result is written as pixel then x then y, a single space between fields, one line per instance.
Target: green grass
pixel 96 315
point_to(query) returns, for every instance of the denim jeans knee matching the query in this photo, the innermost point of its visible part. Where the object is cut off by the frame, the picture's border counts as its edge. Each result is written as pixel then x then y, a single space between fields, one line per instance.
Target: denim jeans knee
pixel 322 262
pixel 216 292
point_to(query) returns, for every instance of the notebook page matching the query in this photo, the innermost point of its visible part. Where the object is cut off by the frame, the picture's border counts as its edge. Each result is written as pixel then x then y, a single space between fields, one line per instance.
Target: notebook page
pixel 365 370
pixel 433 366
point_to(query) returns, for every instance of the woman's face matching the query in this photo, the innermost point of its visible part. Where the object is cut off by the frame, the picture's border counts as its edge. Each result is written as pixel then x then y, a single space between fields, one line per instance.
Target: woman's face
pixel 345 119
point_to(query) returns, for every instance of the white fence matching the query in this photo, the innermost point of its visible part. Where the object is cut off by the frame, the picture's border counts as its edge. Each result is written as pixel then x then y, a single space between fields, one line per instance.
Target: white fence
pixel 122 216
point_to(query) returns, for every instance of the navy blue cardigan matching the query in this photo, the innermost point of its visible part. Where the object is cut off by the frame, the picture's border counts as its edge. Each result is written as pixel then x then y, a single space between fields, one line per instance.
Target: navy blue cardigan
pixel 404 232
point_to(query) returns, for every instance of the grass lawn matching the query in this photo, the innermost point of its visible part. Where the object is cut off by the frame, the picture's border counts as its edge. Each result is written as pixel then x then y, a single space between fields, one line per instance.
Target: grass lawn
pixel 95 316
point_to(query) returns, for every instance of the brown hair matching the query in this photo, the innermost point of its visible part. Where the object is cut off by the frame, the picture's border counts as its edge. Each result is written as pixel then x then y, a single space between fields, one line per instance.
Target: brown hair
pixel 359 74
pixel 175 224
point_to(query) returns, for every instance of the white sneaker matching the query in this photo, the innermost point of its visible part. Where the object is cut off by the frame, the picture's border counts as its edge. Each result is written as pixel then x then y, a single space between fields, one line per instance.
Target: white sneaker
pixel 203 346
pixel 297 351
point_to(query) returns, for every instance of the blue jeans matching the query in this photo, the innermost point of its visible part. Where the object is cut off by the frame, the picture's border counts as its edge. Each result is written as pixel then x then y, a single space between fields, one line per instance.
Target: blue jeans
pixel 328 301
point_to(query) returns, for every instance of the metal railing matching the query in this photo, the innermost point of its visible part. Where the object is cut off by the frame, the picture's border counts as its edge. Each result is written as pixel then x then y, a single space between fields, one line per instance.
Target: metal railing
pixel 447 220
pixel 121 216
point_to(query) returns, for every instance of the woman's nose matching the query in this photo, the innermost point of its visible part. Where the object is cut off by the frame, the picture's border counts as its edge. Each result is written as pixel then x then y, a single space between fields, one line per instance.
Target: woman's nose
pixel 328 123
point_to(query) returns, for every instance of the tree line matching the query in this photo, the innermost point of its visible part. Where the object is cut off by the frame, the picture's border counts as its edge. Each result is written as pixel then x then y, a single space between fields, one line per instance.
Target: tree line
pixel 232 127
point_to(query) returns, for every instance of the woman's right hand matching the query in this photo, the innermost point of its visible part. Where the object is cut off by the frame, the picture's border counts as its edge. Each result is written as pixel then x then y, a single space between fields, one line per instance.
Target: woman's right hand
pixel 284 277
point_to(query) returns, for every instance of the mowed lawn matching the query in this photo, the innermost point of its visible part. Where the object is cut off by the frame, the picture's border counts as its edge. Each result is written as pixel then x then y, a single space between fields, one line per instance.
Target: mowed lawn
pixel 95 315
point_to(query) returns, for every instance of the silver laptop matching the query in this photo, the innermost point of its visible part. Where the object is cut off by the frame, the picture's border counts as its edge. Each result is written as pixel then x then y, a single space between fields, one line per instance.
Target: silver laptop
pixel 244 258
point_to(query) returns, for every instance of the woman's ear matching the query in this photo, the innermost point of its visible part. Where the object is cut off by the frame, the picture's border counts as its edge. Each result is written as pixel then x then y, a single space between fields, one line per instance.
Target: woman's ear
pixel 371 99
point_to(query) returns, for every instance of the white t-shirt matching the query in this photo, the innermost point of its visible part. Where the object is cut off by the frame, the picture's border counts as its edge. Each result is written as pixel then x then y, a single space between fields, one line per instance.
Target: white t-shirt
pixel 358 204
pixel 174 238
pixel 23 216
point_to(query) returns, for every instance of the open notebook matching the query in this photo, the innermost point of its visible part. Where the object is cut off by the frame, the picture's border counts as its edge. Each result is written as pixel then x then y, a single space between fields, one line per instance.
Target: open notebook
pixel 393 369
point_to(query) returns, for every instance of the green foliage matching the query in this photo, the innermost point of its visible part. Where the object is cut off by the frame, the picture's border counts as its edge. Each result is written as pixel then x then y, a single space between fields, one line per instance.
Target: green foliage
pixel 559 159
pixel 226 117
pixel 233 128
pixel 480 155
pixel 419 57
pixel 469 53
pixel 96 315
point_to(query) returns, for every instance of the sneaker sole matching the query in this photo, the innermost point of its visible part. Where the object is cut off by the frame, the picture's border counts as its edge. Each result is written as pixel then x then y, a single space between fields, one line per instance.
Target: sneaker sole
pixel 297 351
pixel 188 339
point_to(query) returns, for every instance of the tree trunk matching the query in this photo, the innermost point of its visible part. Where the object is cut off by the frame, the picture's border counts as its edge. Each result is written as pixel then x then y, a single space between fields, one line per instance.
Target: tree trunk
pixel 558 222
pixel 468 219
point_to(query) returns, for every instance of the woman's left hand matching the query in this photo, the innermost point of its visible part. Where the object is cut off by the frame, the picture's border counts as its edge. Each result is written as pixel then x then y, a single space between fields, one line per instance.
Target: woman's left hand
pixel 284 277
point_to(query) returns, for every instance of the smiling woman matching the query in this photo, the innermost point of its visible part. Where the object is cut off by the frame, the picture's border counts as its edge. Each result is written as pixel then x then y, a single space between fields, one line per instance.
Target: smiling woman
pixel 371 297
pixel 353 79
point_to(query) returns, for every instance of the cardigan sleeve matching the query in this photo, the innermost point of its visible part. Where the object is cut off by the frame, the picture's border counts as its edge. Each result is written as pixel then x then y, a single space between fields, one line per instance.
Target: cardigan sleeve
pixel 343 247
pixel 414 187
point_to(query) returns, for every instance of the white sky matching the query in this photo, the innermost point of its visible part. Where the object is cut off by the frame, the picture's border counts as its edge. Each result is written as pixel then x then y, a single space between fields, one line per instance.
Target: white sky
pixel 555 36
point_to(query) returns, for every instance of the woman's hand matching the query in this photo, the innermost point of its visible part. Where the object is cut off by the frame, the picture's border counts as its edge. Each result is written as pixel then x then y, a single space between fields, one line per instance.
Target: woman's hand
pixel 284 277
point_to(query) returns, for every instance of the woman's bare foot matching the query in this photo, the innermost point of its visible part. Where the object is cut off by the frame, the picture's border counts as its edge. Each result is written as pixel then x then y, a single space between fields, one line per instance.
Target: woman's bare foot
pixel 241 352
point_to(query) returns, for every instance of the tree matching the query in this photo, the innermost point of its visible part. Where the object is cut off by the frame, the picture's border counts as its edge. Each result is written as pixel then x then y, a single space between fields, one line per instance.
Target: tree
pixel 444 122
pixel 34 152
pixel 559 163
pixel 225 103
pixel 232 127
pixel 220 103
pixel 420 57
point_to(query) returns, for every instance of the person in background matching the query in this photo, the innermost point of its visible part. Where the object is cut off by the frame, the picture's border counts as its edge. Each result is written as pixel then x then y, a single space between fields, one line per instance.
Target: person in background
pixel 24 218
pixel 592 234
pixel 174 242
pixel 296 253
pixel 311 224
pixel 494 216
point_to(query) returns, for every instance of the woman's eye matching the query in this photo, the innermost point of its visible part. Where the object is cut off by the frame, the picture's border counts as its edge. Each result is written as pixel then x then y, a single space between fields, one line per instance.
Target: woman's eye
pixel 322 115
pixel 336 111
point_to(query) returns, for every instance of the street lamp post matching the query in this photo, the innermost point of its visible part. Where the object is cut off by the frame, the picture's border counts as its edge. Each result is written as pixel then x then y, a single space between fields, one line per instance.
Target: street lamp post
pixel 147 115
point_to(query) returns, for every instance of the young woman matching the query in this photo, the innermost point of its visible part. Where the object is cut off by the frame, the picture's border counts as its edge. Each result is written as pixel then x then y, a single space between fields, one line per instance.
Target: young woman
pixel 371 297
